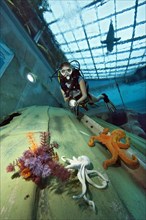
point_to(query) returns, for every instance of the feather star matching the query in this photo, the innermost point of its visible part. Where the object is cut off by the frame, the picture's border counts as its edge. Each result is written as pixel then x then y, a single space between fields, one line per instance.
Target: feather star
pixel 81 164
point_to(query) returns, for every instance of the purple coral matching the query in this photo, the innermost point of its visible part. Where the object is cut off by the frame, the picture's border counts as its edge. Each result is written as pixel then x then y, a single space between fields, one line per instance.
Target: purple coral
pixel 46 171
pixel 40 163
pixel 10 168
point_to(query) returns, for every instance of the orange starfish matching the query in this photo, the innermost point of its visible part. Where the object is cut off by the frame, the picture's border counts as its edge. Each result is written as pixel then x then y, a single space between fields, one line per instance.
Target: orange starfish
pixel 113 143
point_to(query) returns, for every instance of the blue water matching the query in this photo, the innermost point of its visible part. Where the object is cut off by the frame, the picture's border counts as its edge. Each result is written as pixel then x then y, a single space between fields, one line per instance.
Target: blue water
pixel 129 96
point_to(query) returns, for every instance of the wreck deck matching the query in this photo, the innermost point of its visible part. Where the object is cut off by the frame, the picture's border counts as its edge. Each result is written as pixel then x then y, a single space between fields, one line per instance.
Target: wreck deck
pixel 124 198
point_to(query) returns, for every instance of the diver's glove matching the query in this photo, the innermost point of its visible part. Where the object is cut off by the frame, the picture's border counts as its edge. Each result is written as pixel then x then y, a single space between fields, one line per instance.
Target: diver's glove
pixel 108 103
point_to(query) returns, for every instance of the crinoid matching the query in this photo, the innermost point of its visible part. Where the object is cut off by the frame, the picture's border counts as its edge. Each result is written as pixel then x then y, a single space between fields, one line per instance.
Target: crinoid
pixel 82 165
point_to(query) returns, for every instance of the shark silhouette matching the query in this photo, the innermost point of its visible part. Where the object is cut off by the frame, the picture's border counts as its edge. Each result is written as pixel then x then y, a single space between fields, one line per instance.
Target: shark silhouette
pixel 110 39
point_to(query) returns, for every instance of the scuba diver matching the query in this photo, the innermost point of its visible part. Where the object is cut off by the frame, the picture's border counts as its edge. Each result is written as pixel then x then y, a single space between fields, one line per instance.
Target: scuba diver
pixel 75 90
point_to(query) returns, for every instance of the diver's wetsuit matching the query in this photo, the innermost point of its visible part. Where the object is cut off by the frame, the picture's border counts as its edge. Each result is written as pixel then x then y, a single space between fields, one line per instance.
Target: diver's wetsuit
pixel 72 90
pixel 71 87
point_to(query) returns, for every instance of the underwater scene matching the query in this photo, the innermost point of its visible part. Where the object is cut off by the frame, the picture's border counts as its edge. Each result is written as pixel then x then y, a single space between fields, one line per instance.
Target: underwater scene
pixel 73 110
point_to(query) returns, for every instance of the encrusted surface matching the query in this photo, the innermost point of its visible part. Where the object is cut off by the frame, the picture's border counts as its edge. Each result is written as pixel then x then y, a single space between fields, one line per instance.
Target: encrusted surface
pixel 124 198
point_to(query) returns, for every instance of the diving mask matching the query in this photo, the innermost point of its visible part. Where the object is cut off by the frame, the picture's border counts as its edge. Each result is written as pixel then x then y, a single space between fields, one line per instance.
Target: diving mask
pixel 66 72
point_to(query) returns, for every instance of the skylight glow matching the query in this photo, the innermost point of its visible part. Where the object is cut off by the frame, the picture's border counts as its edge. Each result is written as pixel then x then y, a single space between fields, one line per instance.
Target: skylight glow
pixel 79 26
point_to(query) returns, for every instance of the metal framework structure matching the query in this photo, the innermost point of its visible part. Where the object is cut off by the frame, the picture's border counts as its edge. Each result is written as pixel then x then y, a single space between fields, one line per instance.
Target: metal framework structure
pixel 79 26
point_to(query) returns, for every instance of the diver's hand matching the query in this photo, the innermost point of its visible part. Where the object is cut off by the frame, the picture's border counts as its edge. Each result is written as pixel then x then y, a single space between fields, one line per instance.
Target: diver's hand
pixel 66 99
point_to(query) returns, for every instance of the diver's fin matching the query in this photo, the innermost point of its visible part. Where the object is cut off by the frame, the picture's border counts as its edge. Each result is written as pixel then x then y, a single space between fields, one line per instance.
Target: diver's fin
pixel 111 107
pixel 108 103
pixel 106 99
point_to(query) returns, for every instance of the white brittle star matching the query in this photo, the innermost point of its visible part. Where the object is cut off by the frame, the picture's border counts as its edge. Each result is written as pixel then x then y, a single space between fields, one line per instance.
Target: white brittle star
pixel 81 164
